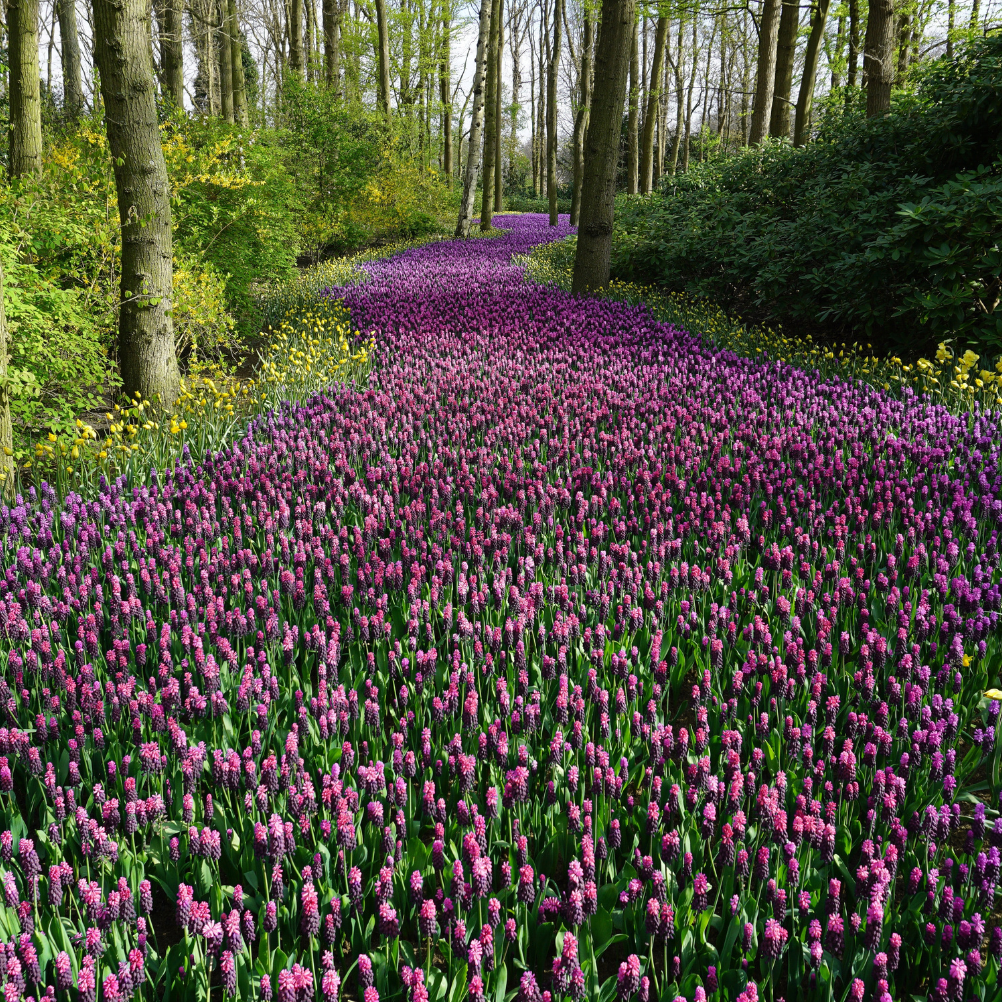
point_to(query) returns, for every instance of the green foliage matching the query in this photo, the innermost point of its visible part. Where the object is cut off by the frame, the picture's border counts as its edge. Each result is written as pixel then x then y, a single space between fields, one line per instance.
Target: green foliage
pixel 885 230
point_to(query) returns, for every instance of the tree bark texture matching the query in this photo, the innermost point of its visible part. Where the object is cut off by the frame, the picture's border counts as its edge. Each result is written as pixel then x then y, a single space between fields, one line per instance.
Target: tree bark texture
pixel 296 34
pixel 878 57
pixel 581 118
pixel 383 60
pixel 612 62
pixel 805 99
pixel 331 16
pixel 766 80
pixel 240 114
pixel 6 427
pixel 653 97
pixel 145 335
pixel 490 119
pixel 633 117
pixel 552 78
pixel 225 62
pixel 445 93
pixel 476 124
pixel 498 113
pixel 25 138
pixel 786 44
pixel 70 57
pixel 852 68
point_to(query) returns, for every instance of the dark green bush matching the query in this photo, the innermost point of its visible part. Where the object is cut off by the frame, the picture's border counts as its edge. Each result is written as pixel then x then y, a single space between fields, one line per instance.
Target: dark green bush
pixel 883 230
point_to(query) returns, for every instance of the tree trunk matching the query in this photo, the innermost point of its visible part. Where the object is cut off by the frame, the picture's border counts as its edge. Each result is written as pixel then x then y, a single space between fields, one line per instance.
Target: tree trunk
pixel 852 68
pixel 951 18
pixel 904 38
pixel 70 53
pixel 786 44
pixel 499 113
pixel 633 118
pixel 445 93
pixel 25 141
pixel 552 78
pixel 878 57
pixel 383 60
pixel 688 96
pixel 476 124
pixel 6 426
pixel 240 114
pixel 766 78
pixel 515 49
pixel 296 36
pixel 581 119
pixel 145 335
pixel 331 14
pixel 225 62
pixel 490 120
pixel 805 98
pixel 612 62
pixel 679 98
pixel 975 14
pixel 653 97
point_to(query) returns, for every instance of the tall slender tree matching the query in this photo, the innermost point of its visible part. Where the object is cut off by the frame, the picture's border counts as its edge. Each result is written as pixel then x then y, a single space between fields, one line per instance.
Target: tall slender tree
pixel 805 99
pixel 490 119
pixel 612 61
pixel 473 155
pixel 24 154
pixel 581 118
pixel 69 39
pixel 766 79
pixel 382 61
pixel 498 113
pixel 6 426
pixel 296 61
pixel 445 91
pixel 653 99
pixel 633 116
pixel 552 78
pixel 786 44
pixel 239 84
pixel 145 335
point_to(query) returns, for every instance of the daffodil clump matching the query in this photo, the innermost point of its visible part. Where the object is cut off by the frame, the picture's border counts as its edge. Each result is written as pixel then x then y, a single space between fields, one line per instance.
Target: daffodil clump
pixel 309 348
pixel 954 380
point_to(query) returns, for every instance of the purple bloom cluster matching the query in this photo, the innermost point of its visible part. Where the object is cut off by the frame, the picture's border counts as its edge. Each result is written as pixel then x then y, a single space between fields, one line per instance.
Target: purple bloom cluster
pixel 566 638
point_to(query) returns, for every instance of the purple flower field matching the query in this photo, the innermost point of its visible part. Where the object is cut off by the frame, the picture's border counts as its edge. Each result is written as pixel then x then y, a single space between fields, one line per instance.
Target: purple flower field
pixel 568 659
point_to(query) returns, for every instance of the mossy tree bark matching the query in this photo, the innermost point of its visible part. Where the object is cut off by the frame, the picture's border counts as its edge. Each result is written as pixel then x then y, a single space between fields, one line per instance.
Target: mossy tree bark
pixel 240 113
pixel 805 99
pixel 445 91
pixel 24 149
pixel 225 61
pixel 612 61
pixel 383 60
pixel 296 34
pixel 332 44
pixel 6 426
pixel 145 334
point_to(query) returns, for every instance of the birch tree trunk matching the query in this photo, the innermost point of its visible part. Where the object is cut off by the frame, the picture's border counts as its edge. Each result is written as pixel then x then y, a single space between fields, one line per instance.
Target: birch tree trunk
pixel 145 335
pixel 581 119
pixel 653 97
pixel 70 58
pixel 552 78
pixel 878 57
pixel 598 192
pixel 805 99
pixel 25 138
pixel 766 80
pixel 476 124
pixel 786 44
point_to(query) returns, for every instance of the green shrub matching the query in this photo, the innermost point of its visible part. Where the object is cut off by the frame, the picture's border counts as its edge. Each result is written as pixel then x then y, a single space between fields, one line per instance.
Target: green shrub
pixel 884 230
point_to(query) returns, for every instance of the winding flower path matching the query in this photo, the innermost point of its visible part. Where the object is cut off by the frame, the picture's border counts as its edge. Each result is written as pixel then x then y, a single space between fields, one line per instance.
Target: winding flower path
pixel 569 656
